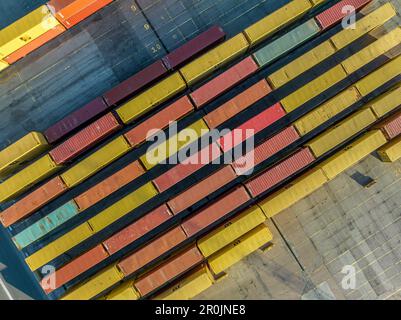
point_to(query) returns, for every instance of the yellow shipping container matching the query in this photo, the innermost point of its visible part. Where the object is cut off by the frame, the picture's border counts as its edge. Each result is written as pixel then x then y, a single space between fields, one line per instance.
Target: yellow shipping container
pixel 230 231
pixel 371 52
pixel 151 98
pixel 293 192
pixel 301 64
pixel 27 177
pixel 189 287
pixel 392 151
pixel 326 111
pixel 126 291
pixel 3 65
pixel 95 162
pixel 239 249
pixel 95 285
pixel 122 207
pixel 364 25
pixel 59 246
pixel 214 59
pixel 276 20
pixel 25 30
pixel 175 143
pixel 386 102
pixel 379 77
pixel 317 2
pixel 354 153
pixel 313 88
pixel 341 132
pixel 25 149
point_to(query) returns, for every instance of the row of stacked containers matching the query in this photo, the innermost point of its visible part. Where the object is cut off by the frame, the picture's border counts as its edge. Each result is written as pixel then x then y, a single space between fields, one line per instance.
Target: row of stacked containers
pixel 314 113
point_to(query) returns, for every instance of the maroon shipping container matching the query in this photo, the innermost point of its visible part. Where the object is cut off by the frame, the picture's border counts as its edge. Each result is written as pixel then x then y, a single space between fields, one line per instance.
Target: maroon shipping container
pixel 215 211
pixel 224 82
pixel 170 270
pixel 85 139
pixel 266 150
pixel 194 47
pixel 279 172
pixel 338 12
pixel 75 120
pixel 185 169
pixel 391 127
pixel 135 83
pixel 202 189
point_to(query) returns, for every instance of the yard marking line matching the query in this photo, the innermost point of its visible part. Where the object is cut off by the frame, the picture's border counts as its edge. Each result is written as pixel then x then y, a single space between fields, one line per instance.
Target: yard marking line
pixel 10 297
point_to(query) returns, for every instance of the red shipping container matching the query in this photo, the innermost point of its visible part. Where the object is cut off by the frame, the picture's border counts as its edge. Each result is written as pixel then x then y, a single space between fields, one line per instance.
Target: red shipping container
pixel 185 169
pixel 152 251
pixel 391 127
pixel 168 271
pixel 202 189
pixel 135 83
pixel 228 79
pixel 137 229
pixel 239 103
pixel 279 172
pixel 74 268
pixel 109 185
pixel 255 124
pixel 85 139
pixel 338 12
pixel 75 120
pixel 160 120
pixel 71 12
pixel 33 201
pixel 215 211
pixel 266 150
pixel 194 47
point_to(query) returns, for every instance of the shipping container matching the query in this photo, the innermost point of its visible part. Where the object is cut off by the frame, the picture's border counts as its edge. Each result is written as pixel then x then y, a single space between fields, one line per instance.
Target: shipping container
pixel 313 88
pixel 385 103
pixel 73 269
pixel 293 192
pixel 277 20
pixel 152 251
pixel 265 150
pixel 327 110
pixel 3 65
pixel 298 66
pixel 95 162
pixel 202 189
pixel 27 178
pixel 136 83
pixel 341 132
pixel 33 201
pixel 223 82
pixel 71 12
pixel 76 119
pixel 391 127
pixel 109 185
pixel 59 246
pixel 45 225
pixel 95 285
pixel 230 231
pixel 173 268
pixel 283 45
pixel 161 152
pixel 125 292
pixel 391 152
pixel 194 47
pixel 239 249
pixel 237 104
pixel 189 287
pixel 122 207
pixel 85 139
pixel 353 153
pixel 215 211
pixel 159 121
pixel 363 26
pixel 279 172
pixel 336 13
pixel 151 98
pixel 25 30
pixel 21 151
pixel 214 59
pixel 137 229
